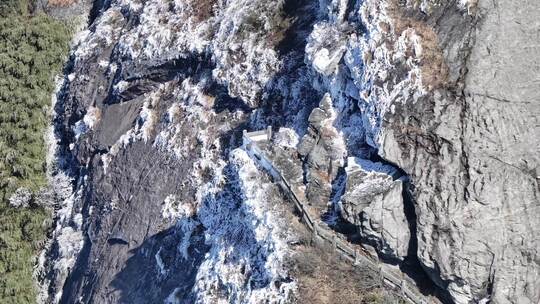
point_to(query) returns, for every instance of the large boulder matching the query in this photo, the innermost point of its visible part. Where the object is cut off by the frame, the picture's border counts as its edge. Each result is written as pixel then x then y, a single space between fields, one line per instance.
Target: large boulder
pixel 373 201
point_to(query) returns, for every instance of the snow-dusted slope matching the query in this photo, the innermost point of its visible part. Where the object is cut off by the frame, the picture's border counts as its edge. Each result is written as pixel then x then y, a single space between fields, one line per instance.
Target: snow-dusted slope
pixel 248 238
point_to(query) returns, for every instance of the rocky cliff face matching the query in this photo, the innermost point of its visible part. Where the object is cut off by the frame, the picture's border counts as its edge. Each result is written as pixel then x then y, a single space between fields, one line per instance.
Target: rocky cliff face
pixel 426 140
pixel 469 154
pixel 373 200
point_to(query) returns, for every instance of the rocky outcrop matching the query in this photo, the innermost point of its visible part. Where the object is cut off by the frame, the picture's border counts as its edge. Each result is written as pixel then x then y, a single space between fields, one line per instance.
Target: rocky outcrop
pixel 323 151
pixel 373 201
pixel 154 100
pixel 470 148
pixel 446 96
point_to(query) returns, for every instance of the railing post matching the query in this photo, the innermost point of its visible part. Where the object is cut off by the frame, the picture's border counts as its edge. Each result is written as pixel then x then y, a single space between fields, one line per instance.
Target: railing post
pixel 269 132
pixel 393 279
pixel 314 234
pixel 403 282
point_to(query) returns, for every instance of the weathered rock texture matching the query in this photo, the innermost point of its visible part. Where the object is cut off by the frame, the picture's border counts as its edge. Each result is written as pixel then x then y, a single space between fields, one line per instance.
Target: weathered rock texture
pixel 471 148
pixel 373 201
pixel 448 93
pixel 323 152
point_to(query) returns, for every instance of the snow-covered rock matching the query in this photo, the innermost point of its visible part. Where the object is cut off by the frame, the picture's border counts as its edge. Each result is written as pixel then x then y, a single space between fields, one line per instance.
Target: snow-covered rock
pixel 373 201
pixel 249 244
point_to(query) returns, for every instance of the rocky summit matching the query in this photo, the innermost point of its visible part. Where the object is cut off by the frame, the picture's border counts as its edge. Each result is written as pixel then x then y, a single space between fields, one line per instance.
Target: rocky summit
pixel 276 151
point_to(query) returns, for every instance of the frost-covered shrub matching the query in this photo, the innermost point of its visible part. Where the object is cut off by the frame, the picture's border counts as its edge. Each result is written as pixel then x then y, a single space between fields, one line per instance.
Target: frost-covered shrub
pixel 249 242
pixel 286 137
pixel 21 198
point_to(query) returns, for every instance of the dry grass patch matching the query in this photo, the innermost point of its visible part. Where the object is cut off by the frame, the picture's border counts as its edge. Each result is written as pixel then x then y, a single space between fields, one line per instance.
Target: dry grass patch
pixel 60 3
pixel 323 278
pixel 432 64
pixel 202 9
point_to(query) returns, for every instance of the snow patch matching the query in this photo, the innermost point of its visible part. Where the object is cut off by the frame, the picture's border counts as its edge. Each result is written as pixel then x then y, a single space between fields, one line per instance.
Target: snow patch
pixel 87 123
pixel 147 121
pixel 166 30
pixel 286 137
pixel 120 87
pixel 469 5
pixel 175 209
pixel 374 57
pixel 160 263
pixel 366 165
pixel 66 238
pixel 325 48
pixel 100 35
pixel 196 109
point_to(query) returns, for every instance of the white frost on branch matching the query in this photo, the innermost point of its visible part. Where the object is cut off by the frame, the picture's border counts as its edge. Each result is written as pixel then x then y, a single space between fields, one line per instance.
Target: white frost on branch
pixel 193 110
pixel 248 240
pixel 100 35
pixel 182 212
pixel 67 236
pixel 325 48
pixel 373 58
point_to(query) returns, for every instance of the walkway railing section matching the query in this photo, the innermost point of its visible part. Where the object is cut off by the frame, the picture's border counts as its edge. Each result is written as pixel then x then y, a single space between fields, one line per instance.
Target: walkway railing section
pixel 388 276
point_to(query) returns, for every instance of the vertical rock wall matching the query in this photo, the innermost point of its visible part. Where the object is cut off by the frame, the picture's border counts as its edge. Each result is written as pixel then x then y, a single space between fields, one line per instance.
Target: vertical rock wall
pixel 470 146
pixel 447 93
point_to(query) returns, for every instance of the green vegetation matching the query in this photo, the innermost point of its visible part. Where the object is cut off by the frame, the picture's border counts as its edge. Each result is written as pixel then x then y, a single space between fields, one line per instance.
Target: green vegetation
pixel 14 7
pixel 32 50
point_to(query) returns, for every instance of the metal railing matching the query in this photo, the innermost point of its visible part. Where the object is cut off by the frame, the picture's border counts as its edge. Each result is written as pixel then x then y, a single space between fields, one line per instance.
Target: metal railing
pixel 390 277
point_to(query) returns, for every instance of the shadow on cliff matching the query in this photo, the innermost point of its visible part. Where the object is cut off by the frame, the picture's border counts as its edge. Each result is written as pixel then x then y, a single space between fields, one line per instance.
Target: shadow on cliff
pixel 140 80
pixel 156 269
pixel 231 225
